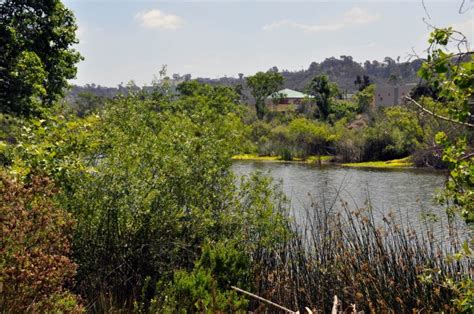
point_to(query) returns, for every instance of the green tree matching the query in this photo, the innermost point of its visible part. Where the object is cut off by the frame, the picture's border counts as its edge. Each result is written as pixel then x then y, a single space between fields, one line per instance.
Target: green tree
pixel 36 54
pixel 452 75
pixel 365 98
pixel 322 89
pixel 263 84
pixel 86 103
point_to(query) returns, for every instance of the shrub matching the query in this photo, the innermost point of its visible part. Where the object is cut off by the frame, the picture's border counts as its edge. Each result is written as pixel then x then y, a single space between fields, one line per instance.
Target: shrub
pixel 365 99
pixel 149 183
pixel 309 137
pixel 350 146
pixel 342 109
pixel 207 287
pixel 35 267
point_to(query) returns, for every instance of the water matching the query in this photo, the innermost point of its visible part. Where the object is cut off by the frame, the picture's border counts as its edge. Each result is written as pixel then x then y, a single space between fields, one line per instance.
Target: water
pixel 408 193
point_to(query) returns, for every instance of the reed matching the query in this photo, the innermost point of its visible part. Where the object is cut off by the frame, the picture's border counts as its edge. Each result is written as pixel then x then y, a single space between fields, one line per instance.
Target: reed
pixel 380 267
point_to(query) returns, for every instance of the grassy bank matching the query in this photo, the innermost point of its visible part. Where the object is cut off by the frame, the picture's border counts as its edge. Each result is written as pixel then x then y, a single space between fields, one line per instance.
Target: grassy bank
pixel 309 160
pixel 395 163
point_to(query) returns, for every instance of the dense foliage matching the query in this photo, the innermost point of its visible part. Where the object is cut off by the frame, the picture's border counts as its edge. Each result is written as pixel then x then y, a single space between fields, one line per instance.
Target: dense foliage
pixel 263 85
pixel 35 250
pixel 149 185
pixel 452 75
pixel 36 58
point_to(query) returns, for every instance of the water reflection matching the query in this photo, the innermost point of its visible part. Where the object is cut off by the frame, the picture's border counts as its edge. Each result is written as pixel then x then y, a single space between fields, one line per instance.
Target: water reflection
pixel 408 193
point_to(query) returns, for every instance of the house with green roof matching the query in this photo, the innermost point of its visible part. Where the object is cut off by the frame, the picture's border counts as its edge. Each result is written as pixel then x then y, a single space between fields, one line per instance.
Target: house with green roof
pixel 288 100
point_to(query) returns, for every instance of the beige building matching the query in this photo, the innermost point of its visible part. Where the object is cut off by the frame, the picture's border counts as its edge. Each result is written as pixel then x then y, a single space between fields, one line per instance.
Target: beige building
pixel 391 95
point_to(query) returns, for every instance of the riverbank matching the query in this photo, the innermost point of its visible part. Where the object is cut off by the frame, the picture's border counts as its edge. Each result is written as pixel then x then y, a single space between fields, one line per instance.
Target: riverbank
pixel 326 159
pixel 310 160
pixel 394 163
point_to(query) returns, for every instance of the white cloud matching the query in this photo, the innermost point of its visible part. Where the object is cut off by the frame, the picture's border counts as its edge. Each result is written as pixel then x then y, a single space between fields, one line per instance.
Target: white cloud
pixel 357 15
pixel 354 16
pixel 158 19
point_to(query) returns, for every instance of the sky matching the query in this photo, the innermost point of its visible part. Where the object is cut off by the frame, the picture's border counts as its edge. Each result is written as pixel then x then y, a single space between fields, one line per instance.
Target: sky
pixel 124 40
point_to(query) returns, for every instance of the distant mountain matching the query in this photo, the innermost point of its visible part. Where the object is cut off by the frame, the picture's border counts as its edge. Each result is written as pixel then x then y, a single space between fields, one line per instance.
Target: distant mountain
pixel 342 71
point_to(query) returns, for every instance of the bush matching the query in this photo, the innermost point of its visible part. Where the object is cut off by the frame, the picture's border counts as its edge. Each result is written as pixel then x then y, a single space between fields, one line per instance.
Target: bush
pixel 309 137
pixel 350 146
pixel 342 109
pixel 396 133
pixel 207 287
pixel 35 266
pixel 149 184
pixel 365 99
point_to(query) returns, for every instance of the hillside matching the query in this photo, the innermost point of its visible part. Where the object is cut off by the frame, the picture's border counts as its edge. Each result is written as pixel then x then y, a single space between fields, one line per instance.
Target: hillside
pixel 343 71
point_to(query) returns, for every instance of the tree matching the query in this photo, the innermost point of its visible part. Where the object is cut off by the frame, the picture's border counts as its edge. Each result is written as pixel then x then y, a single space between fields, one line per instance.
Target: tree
pixel 36 58
pixel 263 84
pixel 451 75
pixel 365 98
pixel 363 82
pixel 87 102
pixel 322 89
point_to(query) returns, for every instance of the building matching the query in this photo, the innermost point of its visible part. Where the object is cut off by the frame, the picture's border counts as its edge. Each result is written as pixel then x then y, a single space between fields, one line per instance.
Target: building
pixel 391 95
pixel 287 100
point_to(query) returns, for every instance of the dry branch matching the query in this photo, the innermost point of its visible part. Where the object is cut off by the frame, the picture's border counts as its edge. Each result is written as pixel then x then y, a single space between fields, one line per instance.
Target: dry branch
pixel 263 300
pixel 437 115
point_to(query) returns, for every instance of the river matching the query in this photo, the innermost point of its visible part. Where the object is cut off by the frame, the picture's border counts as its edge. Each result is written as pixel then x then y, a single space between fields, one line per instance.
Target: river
pixel 408 193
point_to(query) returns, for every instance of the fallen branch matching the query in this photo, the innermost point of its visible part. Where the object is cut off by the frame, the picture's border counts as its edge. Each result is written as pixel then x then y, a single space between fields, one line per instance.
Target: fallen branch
pixel 335 305
pixel 437 115
pixel 263 300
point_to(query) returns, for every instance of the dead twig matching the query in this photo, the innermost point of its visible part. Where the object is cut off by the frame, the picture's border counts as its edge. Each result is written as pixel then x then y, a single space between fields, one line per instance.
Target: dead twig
pixel 263 300
pixel 335 305
pixel 437 115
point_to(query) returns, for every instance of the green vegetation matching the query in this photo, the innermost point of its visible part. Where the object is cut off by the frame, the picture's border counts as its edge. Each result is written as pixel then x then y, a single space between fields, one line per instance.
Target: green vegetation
pixel 322 90
pixel 310 159
pixel 452 75
pixel 36 58
pixel 262 85
pixel 392 133
pixel 130 204
pixel 396 163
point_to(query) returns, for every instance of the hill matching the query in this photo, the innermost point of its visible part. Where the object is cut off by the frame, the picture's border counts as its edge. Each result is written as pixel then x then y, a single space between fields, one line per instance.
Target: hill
pixel 343 71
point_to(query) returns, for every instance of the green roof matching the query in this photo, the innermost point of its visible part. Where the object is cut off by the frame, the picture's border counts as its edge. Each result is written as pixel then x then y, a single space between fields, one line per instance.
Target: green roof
pixel 289 93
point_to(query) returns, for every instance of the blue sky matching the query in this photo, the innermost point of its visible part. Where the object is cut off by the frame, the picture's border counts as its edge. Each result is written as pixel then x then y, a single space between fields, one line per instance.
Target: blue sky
pixel 131 40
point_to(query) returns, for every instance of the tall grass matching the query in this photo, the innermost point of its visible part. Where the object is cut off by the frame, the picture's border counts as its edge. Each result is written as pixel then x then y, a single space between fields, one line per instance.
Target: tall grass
pixel 379 266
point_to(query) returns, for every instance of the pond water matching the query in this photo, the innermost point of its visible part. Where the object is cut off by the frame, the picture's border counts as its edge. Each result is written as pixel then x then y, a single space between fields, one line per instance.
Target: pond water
pixel 408 193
